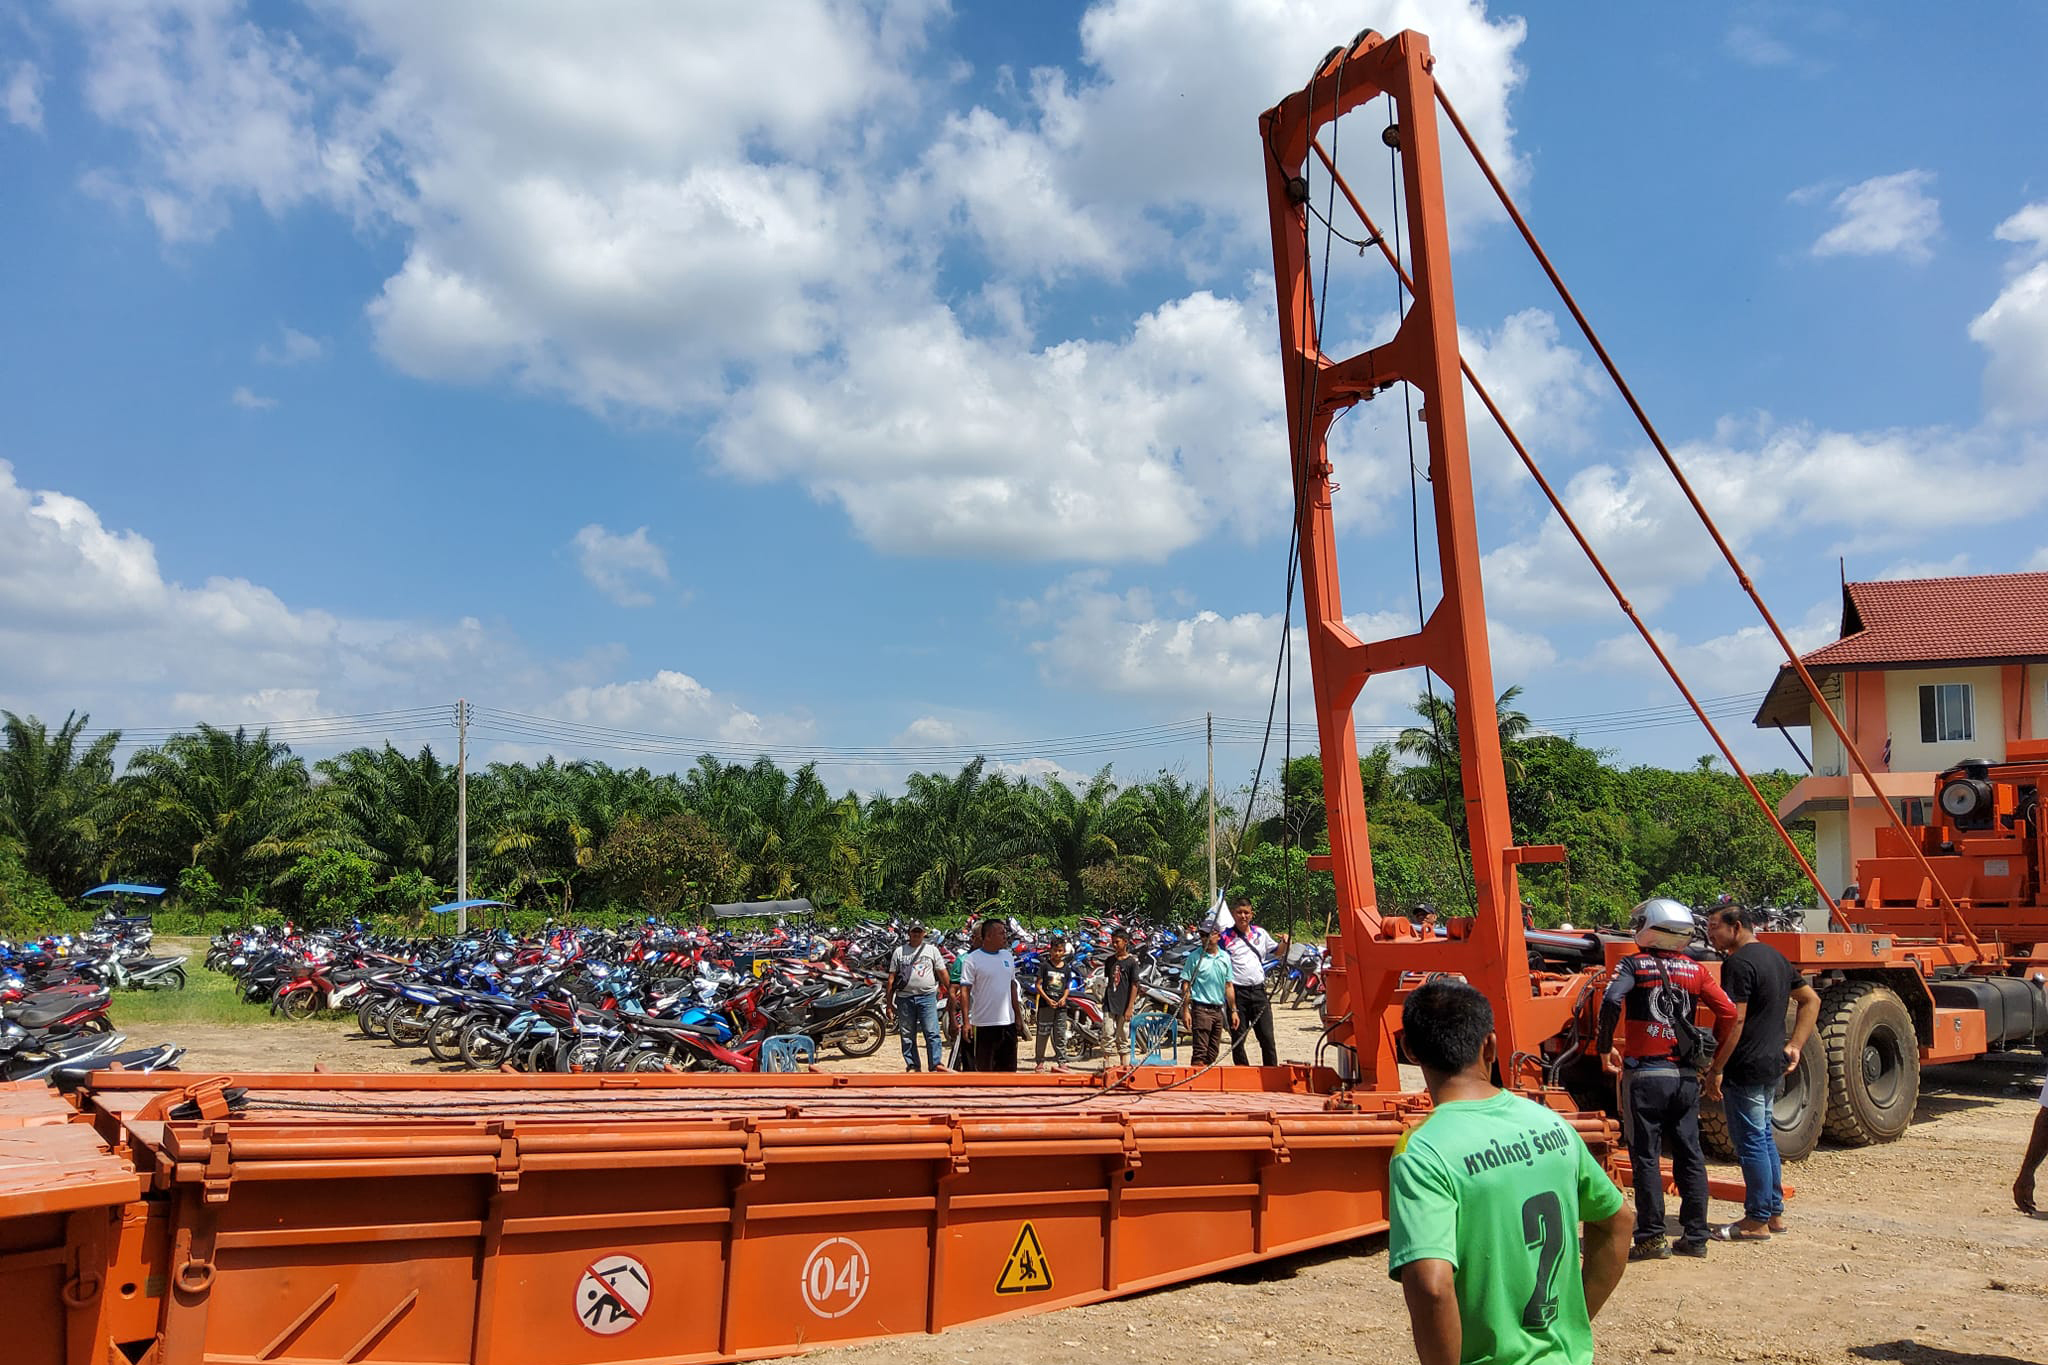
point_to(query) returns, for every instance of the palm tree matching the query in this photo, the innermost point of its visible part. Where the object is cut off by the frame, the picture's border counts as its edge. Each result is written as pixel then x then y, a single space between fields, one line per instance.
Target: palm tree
pixel 240 806
pixel 949 837
pixel 1076 830
pixel 53 797
pixel 1435 779
pixel 1176 817
pixel 400 810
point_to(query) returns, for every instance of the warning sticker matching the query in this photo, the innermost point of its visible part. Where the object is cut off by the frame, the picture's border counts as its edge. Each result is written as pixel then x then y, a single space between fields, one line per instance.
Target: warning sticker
pixel 612 1295
pixel 1026 1271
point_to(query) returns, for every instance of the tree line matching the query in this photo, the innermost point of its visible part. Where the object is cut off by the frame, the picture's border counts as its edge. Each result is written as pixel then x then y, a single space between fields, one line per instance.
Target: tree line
pixel 243 828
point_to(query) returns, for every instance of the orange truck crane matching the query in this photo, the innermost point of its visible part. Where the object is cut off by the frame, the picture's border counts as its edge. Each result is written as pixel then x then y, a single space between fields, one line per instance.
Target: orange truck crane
pixel 586 1219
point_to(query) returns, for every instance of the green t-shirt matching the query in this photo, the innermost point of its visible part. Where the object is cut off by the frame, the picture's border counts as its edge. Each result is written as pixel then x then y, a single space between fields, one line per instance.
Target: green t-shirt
pixel 1498 1187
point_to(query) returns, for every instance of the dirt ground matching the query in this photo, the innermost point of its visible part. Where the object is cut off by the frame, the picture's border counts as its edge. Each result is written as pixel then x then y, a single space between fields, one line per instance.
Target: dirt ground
pixel 1909 1252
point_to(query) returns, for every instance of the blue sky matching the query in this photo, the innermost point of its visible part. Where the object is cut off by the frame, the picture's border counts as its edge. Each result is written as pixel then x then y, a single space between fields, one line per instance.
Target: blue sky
pixel 877 383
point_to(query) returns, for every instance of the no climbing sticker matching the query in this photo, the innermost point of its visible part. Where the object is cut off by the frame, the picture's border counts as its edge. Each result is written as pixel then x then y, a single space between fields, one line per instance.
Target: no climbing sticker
pixel 612 1295
pixel 1026 1271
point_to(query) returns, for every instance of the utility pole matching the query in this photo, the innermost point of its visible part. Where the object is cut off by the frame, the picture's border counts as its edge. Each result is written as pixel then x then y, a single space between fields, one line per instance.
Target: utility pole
pixel 462 813
pixel 1209 724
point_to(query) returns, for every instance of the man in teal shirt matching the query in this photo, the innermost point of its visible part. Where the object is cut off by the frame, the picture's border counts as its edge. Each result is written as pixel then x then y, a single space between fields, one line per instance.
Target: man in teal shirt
pixel 1488 1197
pixel 1207 999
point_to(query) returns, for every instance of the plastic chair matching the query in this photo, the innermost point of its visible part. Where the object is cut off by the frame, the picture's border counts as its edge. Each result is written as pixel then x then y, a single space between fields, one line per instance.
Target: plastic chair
pixel 787 1052
pixel 1155 1039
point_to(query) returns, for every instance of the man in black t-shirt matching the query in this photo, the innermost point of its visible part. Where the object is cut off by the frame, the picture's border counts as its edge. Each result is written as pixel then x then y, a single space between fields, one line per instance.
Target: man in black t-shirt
pixel 1761 982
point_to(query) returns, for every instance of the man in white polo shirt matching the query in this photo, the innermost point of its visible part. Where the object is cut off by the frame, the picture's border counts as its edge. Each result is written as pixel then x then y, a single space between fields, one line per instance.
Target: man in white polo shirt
pixel 1249 946
pixel 2037 1152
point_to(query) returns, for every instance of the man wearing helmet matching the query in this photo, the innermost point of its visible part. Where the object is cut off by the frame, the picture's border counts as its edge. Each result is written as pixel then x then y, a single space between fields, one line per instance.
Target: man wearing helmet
pixel 1660 990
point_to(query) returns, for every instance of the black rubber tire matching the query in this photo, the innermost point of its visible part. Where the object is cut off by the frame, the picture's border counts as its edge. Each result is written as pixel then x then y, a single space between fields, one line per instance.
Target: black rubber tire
pixel 366 1014
pixel 1797 1114
pixel 483 1047
pixel 299 1005
pixel 861 1036
pixel 585 1055
pixel 444 1033
pixel 379 1013
pixel 173 979
pixel 407 1025
pixel 1873 1062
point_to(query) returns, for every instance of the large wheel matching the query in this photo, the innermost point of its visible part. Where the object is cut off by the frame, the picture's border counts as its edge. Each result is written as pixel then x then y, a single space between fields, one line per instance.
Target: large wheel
pixel 580 1054
pixel 173 979
pixel 444 1033
pixel 408 1024
pixel 861 1036
pixel 303 1004
pixel 1797 1112
pixel 483 1047
pixel 1873 1061
pixel 376 1016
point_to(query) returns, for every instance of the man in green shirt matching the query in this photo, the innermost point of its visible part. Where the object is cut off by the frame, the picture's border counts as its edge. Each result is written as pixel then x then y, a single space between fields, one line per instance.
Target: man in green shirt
pixel 1207 999
pixel 1488 1197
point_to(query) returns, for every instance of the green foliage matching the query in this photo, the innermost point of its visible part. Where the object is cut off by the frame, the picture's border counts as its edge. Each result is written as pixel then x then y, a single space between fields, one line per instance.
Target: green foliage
pixel 334 885
pixel 674 863
pixel 243 830
pixel 26 900
pixel 54 798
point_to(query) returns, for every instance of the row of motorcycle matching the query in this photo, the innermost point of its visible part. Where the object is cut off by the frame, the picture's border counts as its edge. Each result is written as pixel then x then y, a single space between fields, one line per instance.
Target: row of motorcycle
pixel 659 997
pixel 573 999
pixel 56 995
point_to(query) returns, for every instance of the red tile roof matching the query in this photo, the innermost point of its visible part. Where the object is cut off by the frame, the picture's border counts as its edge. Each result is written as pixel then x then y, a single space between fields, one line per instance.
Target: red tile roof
pixel 1982 618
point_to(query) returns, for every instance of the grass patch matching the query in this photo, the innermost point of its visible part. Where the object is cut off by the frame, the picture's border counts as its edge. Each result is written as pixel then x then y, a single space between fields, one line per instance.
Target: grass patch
pixel 208 997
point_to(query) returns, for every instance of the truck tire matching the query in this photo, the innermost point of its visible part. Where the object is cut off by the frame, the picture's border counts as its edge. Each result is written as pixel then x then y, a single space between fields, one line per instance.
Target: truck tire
pixel 1873 1061
pixel 1801 1108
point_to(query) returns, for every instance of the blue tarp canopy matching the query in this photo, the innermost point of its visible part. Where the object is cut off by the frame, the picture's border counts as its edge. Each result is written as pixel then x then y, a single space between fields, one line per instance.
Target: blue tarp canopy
pixel 122 888
pixel 453 906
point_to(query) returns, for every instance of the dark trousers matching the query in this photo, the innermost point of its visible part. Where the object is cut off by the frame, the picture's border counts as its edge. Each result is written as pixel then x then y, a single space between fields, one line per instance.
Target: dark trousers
pixel 1664 1103
pixel 1205 1032
pixel 995 1047
pixel 1254 1015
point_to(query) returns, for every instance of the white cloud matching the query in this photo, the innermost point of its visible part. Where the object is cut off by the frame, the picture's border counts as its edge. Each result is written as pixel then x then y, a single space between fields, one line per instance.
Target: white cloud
pixel 619 566
pixel 1759 479
pixel 243 397
pixel 1743 660
pixel 1102 154
pixel 1750 44
pixel 2014 329
pixel 2040 559
pixel 654 209
pixel 931 732
pixel 22 97
pixel 88 618
pixel 935 441
pixel 1887 215
pixel 1925 568
pixel 1124 644
pixel 674 704
pixel 293 348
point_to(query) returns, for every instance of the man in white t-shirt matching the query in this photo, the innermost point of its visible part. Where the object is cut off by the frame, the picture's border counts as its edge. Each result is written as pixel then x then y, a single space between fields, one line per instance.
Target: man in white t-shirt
pixel 1249 947
pixel 993 1008
pixel 2037 1152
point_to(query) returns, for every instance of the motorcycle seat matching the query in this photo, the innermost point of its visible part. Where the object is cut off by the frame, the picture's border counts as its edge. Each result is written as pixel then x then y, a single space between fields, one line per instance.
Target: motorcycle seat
pixel 40 1015
pixel 839 1001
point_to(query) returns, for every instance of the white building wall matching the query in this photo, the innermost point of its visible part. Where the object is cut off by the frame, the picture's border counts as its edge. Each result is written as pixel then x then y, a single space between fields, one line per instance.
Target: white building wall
pixel 1902 713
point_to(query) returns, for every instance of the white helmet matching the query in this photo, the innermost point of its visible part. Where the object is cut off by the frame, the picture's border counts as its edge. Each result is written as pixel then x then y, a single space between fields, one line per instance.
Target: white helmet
pixel 1661 923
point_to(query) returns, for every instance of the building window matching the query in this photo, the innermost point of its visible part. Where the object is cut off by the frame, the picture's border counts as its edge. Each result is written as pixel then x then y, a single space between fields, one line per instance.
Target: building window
pixel 1946 713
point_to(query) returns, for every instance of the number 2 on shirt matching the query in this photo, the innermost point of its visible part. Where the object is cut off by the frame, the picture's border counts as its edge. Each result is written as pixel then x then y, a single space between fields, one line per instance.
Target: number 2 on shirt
pixel 1543 1228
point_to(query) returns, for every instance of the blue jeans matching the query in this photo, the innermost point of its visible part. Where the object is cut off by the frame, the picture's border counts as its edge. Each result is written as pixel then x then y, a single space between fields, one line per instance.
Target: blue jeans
pixel 1756 1146
pixel 917 1014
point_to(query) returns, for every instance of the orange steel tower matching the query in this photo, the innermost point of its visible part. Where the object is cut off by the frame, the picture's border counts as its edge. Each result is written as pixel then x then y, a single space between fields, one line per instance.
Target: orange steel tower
pixel 1370 957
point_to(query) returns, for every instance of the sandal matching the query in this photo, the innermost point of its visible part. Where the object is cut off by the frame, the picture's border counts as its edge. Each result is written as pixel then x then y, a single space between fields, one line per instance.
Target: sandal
pixel 1735 1232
